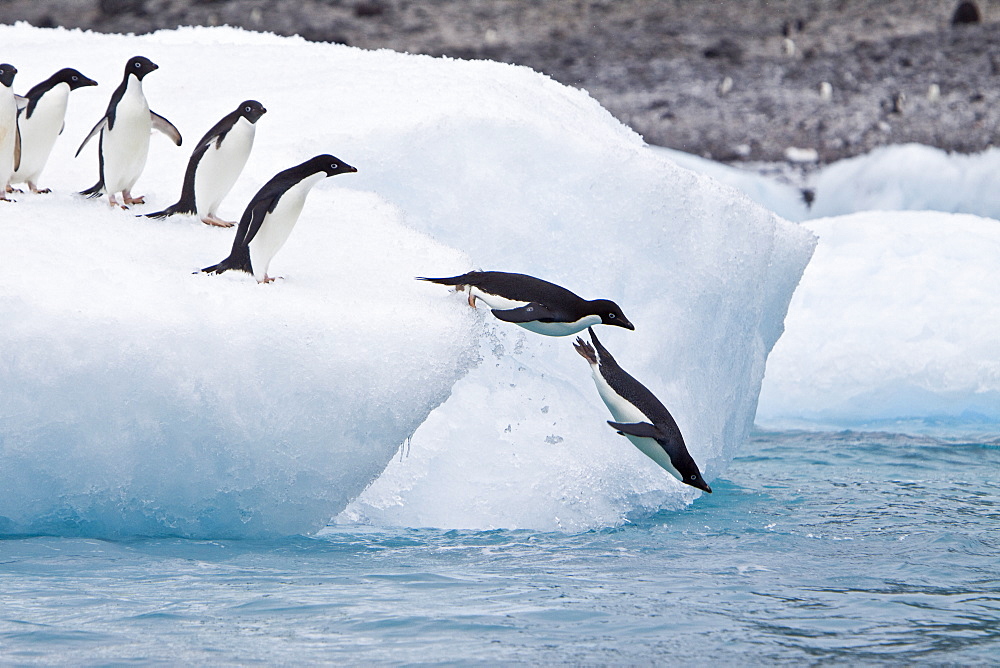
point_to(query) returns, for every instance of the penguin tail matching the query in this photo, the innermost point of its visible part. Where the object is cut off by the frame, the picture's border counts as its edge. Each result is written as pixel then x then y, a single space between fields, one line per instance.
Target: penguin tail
pixel 180 207
pixel 459 281
pixel 239 262
pixel 94 190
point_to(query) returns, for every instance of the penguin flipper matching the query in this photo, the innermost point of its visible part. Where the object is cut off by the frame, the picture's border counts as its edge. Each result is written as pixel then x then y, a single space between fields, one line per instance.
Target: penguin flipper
pixel 101 124
pixel 166 127
pixel 533 312
pixel 638 429
pixel 17 147
pixel 94 190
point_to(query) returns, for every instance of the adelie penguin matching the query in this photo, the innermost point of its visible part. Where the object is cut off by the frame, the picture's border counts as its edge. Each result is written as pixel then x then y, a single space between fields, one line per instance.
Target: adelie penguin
pixel 10 138
pixel 271 215
pixel 534 304
pixel 215 164
pixel 124 135
pixel 639 415
pixel 41 119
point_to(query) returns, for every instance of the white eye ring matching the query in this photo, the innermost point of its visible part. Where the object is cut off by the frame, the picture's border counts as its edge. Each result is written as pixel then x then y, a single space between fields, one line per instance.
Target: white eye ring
pixel 694 477
pixel 138 64
pixel 247 109
pixel 334 165
pixel 611 315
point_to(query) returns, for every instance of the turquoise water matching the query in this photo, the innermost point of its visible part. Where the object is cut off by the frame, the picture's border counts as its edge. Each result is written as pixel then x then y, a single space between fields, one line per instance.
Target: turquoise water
pixel 841 548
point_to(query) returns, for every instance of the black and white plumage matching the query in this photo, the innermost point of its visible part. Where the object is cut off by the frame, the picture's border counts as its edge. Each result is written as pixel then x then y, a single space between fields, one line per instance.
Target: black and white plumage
pixel 215 164
pixel 639 415
pixel 124 135
pixel 41 119
pixel 534 304
pixel 271 215
pixel 10 138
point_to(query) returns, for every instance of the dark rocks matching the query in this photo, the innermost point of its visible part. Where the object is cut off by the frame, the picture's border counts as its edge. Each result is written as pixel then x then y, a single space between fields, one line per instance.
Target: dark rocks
pixel 734 80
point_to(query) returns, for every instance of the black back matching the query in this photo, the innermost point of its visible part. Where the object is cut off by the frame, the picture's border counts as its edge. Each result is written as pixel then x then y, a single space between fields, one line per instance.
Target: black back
pixel 519 287
pixel 66 75
pixel 7 72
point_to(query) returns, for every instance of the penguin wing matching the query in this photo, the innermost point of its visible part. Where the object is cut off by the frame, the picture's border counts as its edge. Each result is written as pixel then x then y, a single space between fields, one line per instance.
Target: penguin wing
pixel 639 429
pixel 254 216
pixel 101 124
pixel 17 146
pixel 166 127
pixel 531 313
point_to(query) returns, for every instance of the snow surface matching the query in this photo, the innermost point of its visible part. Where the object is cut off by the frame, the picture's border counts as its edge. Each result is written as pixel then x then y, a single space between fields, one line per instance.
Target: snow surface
pixel 140 398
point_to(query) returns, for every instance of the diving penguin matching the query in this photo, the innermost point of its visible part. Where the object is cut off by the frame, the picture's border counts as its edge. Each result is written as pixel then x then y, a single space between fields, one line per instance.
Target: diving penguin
pixel 124 135
pixel 10 138
pixel 534 304
pixel 41 120
pixel 271 215
pixel 215 164
pixel 639 415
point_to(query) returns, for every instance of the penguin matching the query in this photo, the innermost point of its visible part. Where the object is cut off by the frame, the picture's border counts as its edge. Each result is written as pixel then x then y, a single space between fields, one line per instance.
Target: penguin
pixel 639 415
pixel 41 120
pixel 271 215
pixel 10 138
pixel 534 304
pixel 124 131
pixel 215 165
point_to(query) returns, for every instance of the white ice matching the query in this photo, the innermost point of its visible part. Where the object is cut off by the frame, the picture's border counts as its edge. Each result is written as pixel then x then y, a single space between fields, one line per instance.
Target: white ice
pixel 140 398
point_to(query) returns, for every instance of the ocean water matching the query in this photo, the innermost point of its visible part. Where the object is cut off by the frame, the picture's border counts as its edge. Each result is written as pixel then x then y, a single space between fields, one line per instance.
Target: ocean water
pixel 816 548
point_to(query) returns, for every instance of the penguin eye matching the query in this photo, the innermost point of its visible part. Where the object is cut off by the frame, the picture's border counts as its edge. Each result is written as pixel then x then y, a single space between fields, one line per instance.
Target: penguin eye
pixel 74 77
pixel 247 109
pixel 334 165
pixel 611 316
pixel 694 477
pixel 138 65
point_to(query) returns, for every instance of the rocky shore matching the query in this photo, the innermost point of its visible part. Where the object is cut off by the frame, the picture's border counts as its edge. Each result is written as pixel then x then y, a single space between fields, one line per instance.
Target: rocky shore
pixel 735 80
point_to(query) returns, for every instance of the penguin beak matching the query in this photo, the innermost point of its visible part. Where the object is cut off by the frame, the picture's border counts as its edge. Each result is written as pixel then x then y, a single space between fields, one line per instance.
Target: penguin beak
pixel 626 324
pixel 88 82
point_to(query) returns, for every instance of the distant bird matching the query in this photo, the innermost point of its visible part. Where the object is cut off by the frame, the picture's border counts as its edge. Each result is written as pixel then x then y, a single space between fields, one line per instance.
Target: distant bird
pixel 639 415
pixel 124 130
pixel 215 164
pixel 10 138
pixel 42 119
pixel 537 305
pixel 271 215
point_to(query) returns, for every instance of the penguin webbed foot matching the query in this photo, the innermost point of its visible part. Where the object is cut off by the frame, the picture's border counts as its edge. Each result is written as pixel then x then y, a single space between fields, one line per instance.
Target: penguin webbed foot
pixel 270 279
pixel 12 189
pixel 217 222
pixel 39 191
pixel 586 350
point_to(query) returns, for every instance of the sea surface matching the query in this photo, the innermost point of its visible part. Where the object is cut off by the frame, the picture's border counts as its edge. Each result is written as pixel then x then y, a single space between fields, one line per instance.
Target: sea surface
pixel 836 548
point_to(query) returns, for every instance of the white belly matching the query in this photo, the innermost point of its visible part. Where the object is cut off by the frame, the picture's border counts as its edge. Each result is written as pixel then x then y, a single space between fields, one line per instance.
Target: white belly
pixel 546 328
pixel 8 128
pixel 38 133
pixel 220 167
pixel 278 225
pixel 624 412
pixel 126 147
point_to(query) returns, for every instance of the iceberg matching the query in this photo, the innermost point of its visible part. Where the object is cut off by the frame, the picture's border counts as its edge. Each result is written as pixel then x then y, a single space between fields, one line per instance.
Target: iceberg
pixel 141 399
pixel 893 326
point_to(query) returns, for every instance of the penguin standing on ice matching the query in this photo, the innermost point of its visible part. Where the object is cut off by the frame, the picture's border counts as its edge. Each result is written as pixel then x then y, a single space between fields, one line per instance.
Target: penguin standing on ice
pixel 534 304
pixel 639 415
pixel 271 215
pixel 10 138
pixel 124 131
pixel 215 164
pixel 41 120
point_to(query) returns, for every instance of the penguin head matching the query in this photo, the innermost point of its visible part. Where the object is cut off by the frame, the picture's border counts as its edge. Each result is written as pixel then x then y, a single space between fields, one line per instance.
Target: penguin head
pixel 73 78
pixel 140 66
pixel 252 110
pixel 330 164
pixel 7 72
pixel 692 476
pixel 610 313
